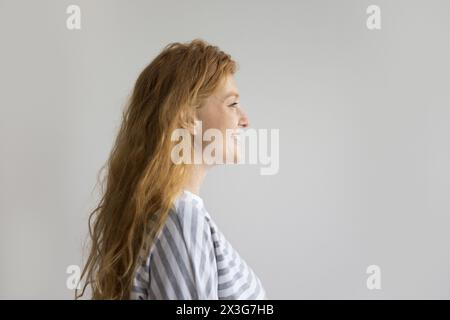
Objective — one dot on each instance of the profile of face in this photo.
(223, 112)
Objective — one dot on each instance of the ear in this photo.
(196, 128)
(192, 127)
(188, 119)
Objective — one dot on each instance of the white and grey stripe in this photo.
(192, 260)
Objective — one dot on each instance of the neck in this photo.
(196, 178)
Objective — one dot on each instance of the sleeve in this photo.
(183, 262)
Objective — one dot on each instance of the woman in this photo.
(152, 237)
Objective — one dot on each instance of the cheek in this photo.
(218, 118)
(231, 120)
(227, 118)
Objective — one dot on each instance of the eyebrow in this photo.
(231, 94)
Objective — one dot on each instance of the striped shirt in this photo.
(191, 260)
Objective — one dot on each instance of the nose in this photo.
(243, 119)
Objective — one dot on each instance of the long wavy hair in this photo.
(142, 182)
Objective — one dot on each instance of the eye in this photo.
(234, 105)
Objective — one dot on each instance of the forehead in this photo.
(227, 88)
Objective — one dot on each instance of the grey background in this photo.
(364, 119)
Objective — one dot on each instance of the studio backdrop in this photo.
(355, 200)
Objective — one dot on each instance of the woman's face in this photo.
(223, 111)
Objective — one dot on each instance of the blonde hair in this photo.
(142, 182)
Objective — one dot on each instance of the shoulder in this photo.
(188, 205)
(187, 224)
(182, 254)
